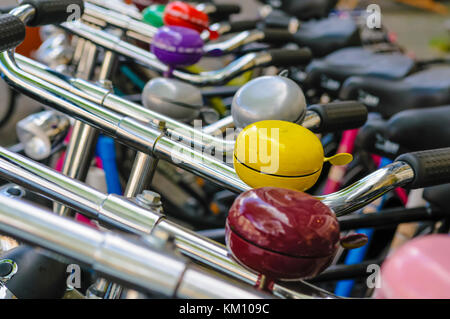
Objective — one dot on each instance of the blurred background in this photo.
(417, 23)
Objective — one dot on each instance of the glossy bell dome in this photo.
(268, 98)
(178, 13)
(154, 14)
(278, 154)
(177, 46)
(282, 233)
(161, 95)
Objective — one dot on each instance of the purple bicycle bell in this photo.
(177, 46)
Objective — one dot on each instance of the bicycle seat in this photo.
(430, 87)
(308, 9)
(407, 131)
(330, 72)
(327, 35)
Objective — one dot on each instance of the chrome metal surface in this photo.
(220, 126)
(206, 251)
(124, 259)
(300, 290)
(42, 133)
(101, 96)
(5, 293)
(118, 6)
(237, 41)
(312, 120)
(24, 12)
(369, 188)
(141, 174)
(115, 44)
(120, 20)
(98, 289)
(136, 134)
(200, 285)
(220, 27)
(83, 139)
(116, 256)
(14, 268)
(110, 210)
(118, 212)
(176, 129)
(268, 98)
(107, 67)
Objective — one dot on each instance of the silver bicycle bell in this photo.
(173, 98)
(268, 98)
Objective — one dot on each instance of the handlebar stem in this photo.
(369, 188)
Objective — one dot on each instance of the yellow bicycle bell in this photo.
(281, 154)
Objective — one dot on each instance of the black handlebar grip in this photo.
(226, 9)
(339, 116)
(38, 275)
(55, 11)
(279, 36)
(243, 25)
(430, 167)
(286, 57)
(12, 32)
(278, 19)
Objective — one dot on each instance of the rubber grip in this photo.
(38, 275)
(278, 19)
(54, 11)
(12, 32)
(280, 36)
(430, 167)
(243, 25)
(286, 57)
(227, 9)
(339, 116)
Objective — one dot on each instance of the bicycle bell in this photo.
(177, 46)
(281, 154)
(178, 13)
(173, 98)
(284, 234)
(268, 98)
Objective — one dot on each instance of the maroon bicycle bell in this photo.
(177, 46)
(282, 233)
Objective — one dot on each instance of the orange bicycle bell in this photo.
(281, 154)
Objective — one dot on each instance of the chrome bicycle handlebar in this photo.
(203, 140)
(145, 32)
(139, 135)
(127, 215)
(124, 259)
(148, 59)
(118, 6)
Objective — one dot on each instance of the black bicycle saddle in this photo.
(407, 131)
(330, 72)
(328, 35)
(430, 87)
(304, 9)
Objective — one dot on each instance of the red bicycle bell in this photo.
(282, 233)
(178, 13)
